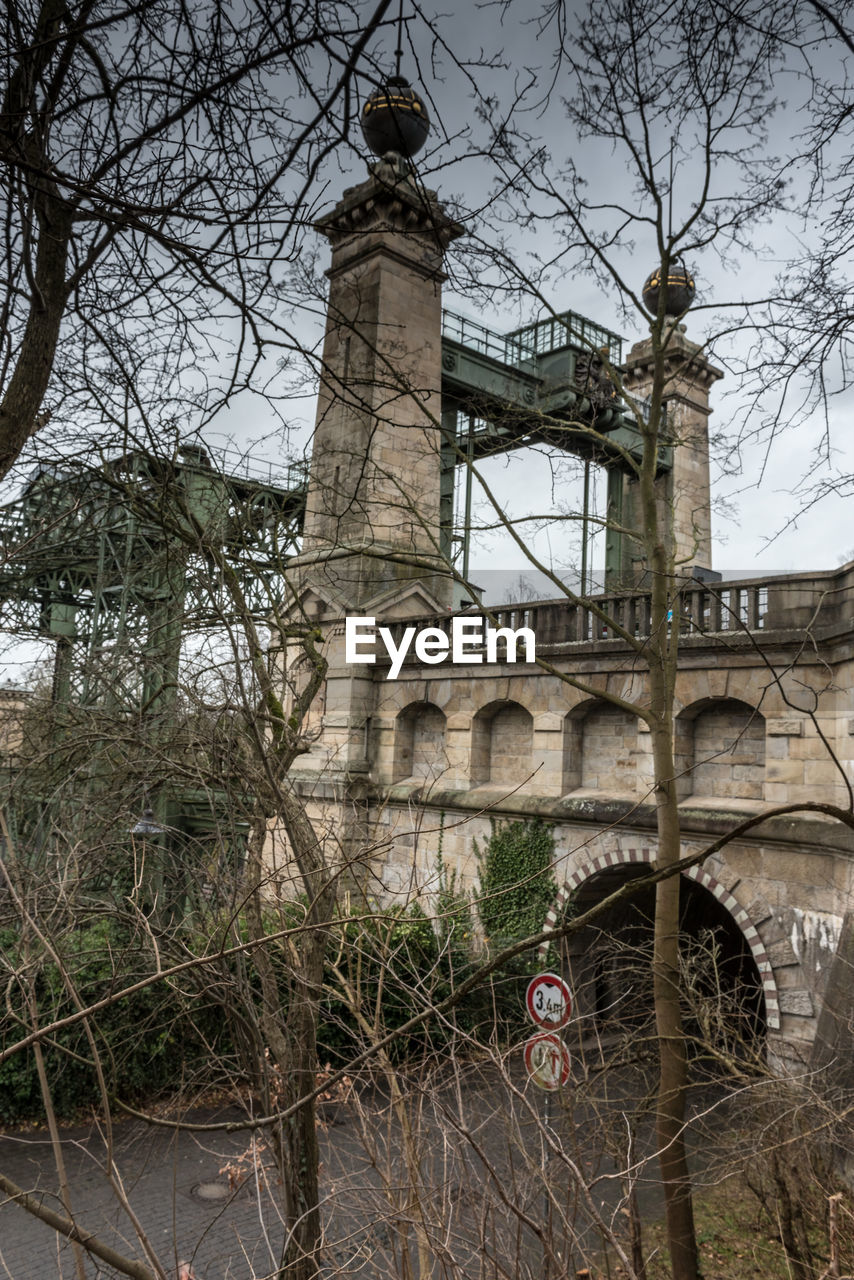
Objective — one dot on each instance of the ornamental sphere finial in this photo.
(394, 118)
(679, 286)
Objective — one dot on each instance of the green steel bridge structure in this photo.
(114, 561)
(545, 384)
(108, 559)
(117, 563)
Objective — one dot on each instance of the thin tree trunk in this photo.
(30, 173)
(673, 1061)
(662, 661)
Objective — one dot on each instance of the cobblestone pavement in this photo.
(171, 1180)
(163, 1174)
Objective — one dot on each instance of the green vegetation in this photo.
(151, 1041)
(380, 969)
(517, 884)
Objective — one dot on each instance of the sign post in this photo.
(548, 1001)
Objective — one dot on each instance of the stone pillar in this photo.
(685, 495)
(373, 510)
(372, 540)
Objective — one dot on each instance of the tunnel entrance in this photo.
(723, 1004)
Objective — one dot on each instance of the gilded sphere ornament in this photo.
(680, 291)
(394, 118)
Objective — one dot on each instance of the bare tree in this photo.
(682, 100)
(623, 58)
(159, 163)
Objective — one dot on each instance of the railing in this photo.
(289, 473)
(508, 348)
(520, 347)
(69, 476)
(570, 330)
(790, 602)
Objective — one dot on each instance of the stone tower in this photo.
(372, 515)
(685, 488)
(371, 531)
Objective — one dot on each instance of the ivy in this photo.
(517, 884)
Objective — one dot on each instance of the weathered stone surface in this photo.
(797, 1001)
(450, 748)
(785, 728)
(780, 953)
(759, 912)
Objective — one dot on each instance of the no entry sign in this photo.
(548, 1001)
(547, 1061)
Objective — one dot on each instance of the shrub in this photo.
(146, 1043)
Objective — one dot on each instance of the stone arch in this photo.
(502, 744)
(700, 876)
(722, 744)
(419, 742)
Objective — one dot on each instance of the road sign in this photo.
(547, 1061)
(548, 1001)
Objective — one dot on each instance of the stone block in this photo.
(801, 872)
(718, 680)
(820, 773)
(787, 771)
(548, 722)
(797, 1001)
(776, 792)
(761, 914)
(789, 1050)
(810, 749)
(785, 728)
(742, 791)
(780, 953)
(725, 874)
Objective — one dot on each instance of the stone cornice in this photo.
(683, 359)
(389, 201)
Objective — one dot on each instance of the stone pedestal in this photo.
(372, 517)
(685, 504)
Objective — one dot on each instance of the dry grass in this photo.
(737, 1238)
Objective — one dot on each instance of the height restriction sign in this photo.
(548, 1001)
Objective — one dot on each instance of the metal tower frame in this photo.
(110, 562)
(541, 384)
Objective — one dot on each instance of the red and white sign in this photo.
(548, 1001)
(547, 1061)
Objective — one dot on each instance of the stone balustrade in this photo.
(822, 603)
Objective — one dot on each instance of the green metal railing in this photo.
(507, 348)
(521, 347)
(555, 333)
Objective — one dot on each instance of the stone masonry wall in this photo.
(729, 752)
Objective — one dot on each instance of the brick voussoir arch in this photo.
(624, 857)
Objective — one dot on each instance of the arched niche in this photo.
(419, 742)
(723, 746)
(502, 744)
(602, 750)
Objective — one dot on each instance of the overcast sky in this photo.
(757, 523)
